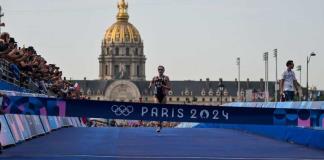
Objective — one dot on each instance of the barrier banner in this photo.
(25, 130)
(45, 123)
(79, 122)
(160, 112)
(52, 120)
(5, 134)
(31, 125)
(38, 125)
(15, 129)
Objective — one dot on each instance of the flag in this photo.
(77, 86)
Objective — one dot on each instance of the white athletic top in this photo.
(288, 77)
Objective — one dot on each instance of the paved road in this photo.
(144, 143)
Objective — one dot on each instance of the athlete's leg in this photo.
(160, 100)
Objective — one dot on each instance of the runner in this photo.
(161, 87)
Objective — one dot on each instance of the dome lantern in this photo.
(122, 11)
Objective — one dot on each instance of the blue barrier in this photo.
(45, 123)
(271, 115)
(304, 136)
(5, 135)
(18, 128)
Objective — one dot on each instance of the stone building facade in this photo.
(122, 51)
(122, 74)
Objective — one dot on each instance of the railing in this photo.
(7, 75)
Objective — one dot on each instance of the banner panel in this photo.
(5, 134)
(261, 113)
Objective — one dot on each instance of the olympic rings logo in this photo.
(122, 110)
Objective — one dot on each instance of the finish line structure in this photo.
(162, 112)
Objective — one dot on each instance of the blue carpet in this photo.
(144, 143)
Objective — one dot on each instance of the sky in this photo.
(193, 39)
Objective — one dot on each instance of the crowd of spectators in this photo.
(33, 72)
(139, 123)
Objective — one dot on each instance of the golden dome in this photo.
(122, 31)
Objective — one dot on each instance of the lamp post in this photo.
(243, 95)
(266, 91)
(238, 62)
(299, 68)
(275, 55)
(221, 89)
(308, 59)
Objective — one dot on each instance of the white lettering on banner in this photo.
(193, 113)
(164, 112)
(154, 112)
(144, 111)
(225, 114)
(172, 113)
(215, 114)
(180, 113)
(204, 114)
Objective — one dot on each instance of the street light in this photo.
(308, 59)
(243, 96)
(275, 55)
(299, 68)
(221, 89)
(238, 62)
(266, 90)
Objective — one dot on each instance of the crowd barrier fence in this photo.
(17, 128)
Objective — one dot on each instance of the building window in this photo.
(225, 99)
(127, 74)
(210, 99)
(116, 70)
(136, 51)
(138, 70)
(127, 51)
(187, 100)
(116, 51)
(203, 99)
(107, 51)
(146, 99)
(210, 93)
(203, 93)
(106, 70)
(170, 99)
(217, 99)
(178, 99)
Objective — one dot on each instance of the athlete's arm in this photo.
(152, 81)
(168, 85)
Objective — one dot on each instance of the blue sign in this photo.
(160, 112)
